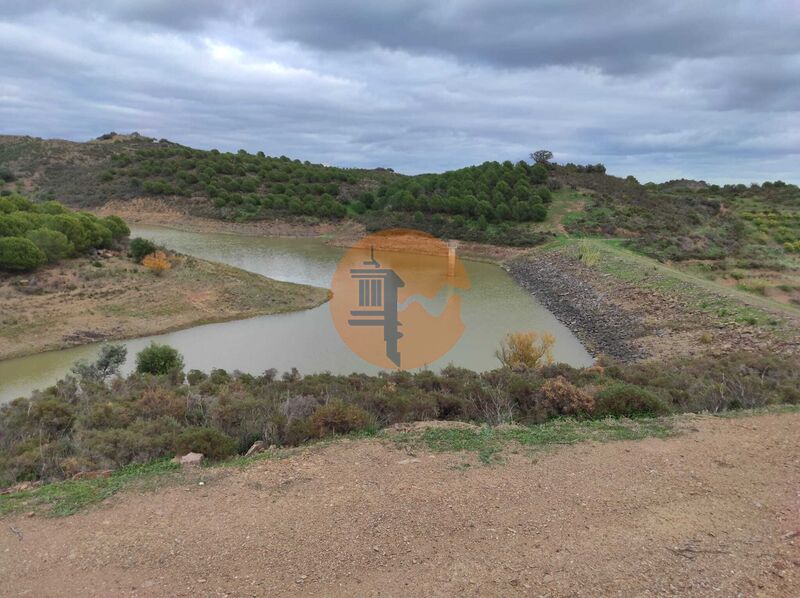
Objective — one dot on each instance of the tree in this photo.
(542, 157)
(538, 213)
(117, 227)
(108, 363)
(72, 228)
(19, 254)
(158, 360)
(538, 174)
(13, 225)
(54, 244)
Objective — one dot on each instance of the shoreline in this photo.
(121, 301)
(602, 326)
(346, 233)
(632, 310)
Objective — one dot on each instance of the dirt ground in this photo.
(74, 303)
(145, 210)
(713, 512)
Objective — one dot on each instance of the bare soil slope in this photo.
(76, 302)
(714, 512)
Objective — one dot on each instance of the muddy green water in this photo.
(307, 340)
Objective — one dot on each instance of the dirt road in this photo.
(714, 512)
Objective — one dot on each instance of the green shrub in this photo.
(18, 254)
(53, 207)
(14, 225)
(73, 228)
(195, 377)
(628, 400)
(208, 441)
(139, 248)
(117, 226)
(99, 235)
(51, 417)
(141, 441)
(338, 417)
(53, 244)
(158, 360)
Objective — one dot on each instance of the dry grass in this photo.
(81, 301)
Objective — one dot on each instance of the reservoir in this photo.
(493, 306)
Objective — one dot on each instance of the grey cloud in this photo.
(617, 36)
(705, 90)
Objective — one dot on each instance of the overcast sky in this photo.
(658, 89)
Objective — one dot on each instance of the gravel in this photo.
(604, 327)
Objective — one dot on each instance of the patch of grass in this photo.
(59, 499)
(770, 409)
(725, 304)
(65, 498)
(753, 285)
(488, 441)
(588, 254)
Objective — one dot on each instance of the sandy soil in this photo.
(145, 210)
(74, 302)
(714, 512)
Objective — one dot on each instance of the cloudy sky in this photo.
(658, 89)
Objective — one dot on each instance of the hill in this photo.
(747, 236)
(492, 202)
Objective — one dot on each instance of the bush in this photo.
(563, 398)
(6, 176)
(526, 350)
(117, 226)
(18, 254)
(195, 377)
(73, 229)
(141, 441)
(161, 402)
(139, 248)
(14, 225)
(628, 400)
(158, 360)
(208, 441)
(53, 244)
(338, 417)
(588, 254)
(157, 263)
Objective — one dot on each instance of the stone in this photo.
(191, 459)
(259, 446)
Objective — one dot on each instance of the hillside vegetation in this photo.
(86, 421)
(741, 236)
(34, 234)
(737, 235)
(492, 202)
